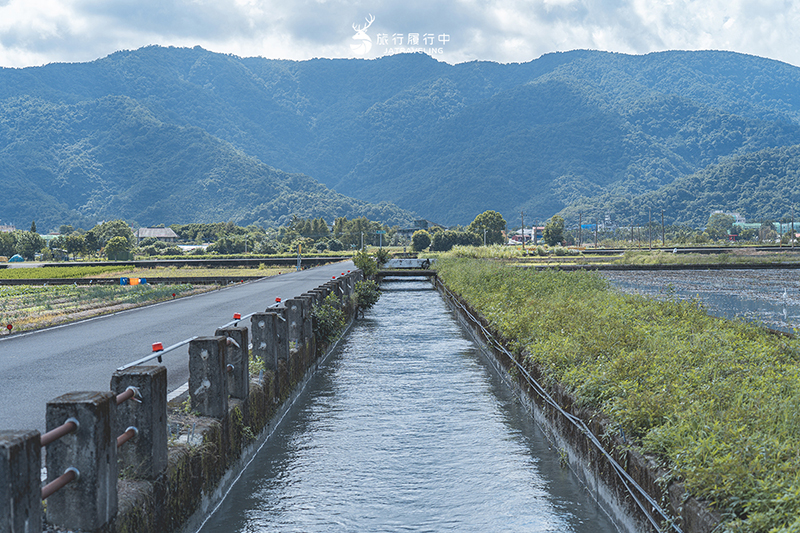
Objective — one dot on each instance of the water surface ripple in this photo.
(405, 428)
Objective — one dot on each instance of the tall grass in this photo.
(716, 399)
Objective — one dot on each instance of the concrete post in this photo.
(296, 328)
(281, 342)
(144, 456)
(263, 327)
(20, 488)
(309, 341)
(208, 382)
(239, 376)
(88, 503)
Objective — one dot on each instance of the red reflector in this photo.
(9, 327)
(278, 300)
(237, 316)
(333, 277)
(158, 347)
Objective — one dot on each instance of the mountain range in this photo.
(178, 135)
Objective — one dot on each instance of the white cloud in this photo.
(41, 31)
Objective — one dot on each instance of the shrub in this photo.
(366, 263)
(382, 256)
(420, 240)
(366, 294)
(329, 319)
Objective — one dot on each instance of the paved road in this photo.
(39, 366)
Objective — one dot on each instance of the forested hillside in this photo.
(167, 135)
(112, 158)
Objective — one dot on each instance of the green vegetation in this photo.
(489, 227)
(366, 294)
(329, 319)
(420, 240)
(28, 307)
(366, 263)
(58, 272)
(554, 231)
(715, 400)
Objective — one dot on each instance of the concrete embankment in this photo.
(630, 486)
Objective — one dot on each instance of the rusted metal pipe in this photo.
(71, 474)
(130, 392)
(130, 433)
(64, 429)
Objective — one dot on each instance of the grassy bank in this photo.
(715, 400)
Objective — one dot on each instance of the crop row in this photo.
(715, 400)
(57, 272)
(27, 307)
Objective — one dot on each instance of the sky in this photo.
(37, 32)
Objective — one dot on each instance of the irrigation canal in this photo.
(406, 428)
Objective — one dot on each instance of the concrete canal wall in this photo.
(629, 485)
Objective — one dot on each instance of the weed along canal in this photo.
(407, 428)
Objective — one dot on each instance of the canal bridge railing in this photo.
(100, 441)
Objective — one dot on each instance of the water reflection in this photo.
(407, 429)
(770, 297)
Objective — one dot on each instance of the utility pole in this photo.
(522, 216)
(596, 223)
(650, 229)
(663, 242)
(580, 227)
(484, 236)
(362, 241)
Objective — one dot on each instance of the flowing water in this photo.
(769, 297)
(407, 428)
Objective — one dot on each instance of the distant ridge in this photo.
(176, 134)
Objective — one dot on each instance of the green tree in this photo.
(420, 240)
(118, 248)
(74, 244)
(91, 242)
(492, 223)
(719, 225)
(28, 244)
(114, 228)
(33, 227)
(8, 244)
(443, 241)
(554, 231)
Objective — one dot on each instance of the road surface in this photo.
(38, 366)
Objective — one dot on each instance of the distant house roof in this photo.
(157, 233)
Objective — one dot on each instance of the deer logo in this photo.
(364, 42)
